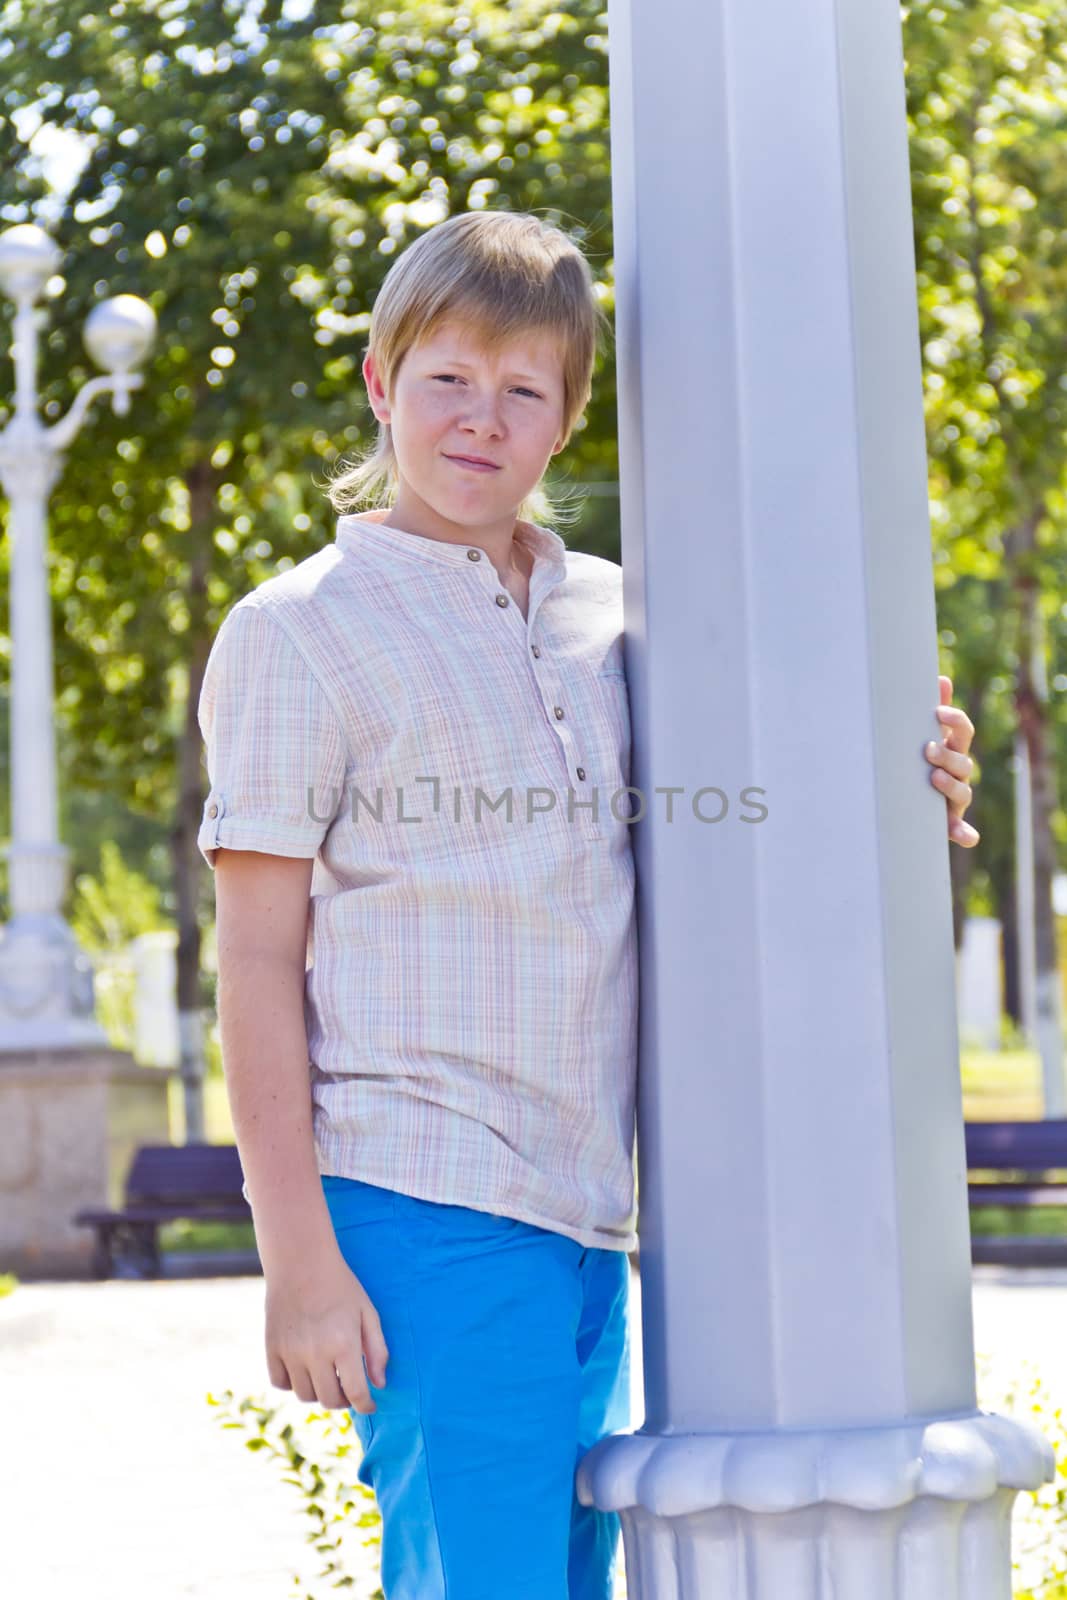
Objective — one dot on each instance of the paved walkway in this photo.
(117, 1481)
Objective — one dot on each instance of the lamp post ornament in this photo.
(46, 980)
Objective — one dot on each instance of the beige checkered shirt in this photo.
(471, 989)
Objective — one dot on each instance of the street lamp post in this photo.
(46, 984)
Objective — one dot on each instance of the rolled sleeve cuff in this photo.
(220, 826)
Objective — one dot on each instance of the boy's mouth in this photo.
(474, 463)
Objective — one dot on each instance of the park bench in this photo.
(1030, 1160)
(165, 1183)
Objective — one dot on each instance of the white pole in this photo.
(811, 1426)
(1024, 890)
(46, 981)
(980, 982)
(29, 472)
(1047, 992)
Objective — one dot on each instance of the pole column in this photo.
(811, 1424)
(46, 982)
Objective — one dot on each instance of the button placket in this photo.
(558, 712)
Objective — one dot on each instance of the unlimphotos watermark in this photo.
(534, 802)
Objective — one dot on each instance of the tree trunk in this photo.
(1006, 911)
(1031, 709)
(187, 862)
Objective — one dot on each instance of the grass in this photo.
(1045, 1221)
(194, 1237)
(1000, 1085)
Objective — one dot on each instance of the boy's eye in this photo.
(447, 375)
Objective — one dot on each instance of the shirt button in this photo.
(581, 773)
(474, 555)
(558, 710)
(501, 599)
(212, 811)
(536, 649)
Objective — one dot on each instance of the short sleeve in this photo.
(275, 749)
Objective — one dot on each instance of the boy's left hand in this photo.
(952, 765)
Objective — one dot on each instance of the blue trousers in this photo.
(508, 1358)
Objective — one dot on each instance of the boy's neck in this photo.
(509, 554)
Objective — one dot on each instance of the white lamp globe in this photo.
(28, 258)
(120, 332)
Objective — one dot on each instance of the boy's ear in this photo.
(375, 393)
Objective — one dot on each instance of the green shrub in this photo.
(318, 1457)
(1039, 1523)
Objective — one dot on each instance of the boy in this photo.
(426, 937)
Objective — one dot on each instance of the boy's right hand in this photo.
(320, 1318)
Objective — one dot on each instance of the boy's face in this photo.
(452, 399)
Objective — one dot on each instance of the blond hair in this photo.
(498, 274)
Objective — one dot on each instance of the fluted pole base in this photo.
(917, 1512)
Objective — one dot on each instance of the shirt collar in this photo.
(363, 529)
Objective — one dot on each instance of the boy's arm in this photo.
(272, 737)
(324, 1338)
(261, 920)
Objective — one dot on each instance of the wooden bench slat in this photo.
(1017, 1194)
(178, 1173)
(1019, 1250)
(1022, 1146)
